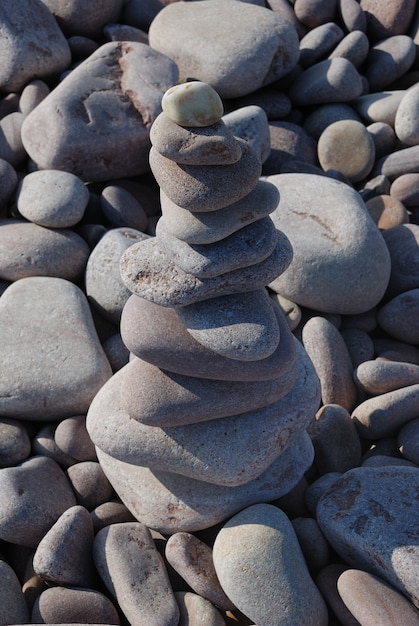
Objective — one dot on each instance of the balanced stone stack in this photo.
(210, 414)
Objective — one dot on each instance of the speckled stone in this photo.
(51, 198)
(90, 485)
(192, 559)
(257, 555)
(198, 146)
(348, 147)
(29, 509)
(133, 571)
(194, 450)
(173, 503)
(398, 317)
(359, 343)
(223, 57)
(210, 226)
(48, 371)
(369, 516)
(383, 415)
(332, 236)
(64, 554)
(162, 340)
(193, 608)
(169, 285)
(380, 376)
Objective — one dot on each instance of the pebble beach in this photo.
(209, 312)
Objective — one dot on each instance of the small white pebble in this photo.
(193, 104)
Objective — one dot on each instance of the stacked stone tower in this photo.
(210, 414)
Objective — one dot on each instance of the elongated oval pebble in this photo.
(193, 104)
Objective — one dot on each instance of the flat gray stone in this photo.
(332, 235)
(149, 272)
(96, 122)
(262, 47)
(332, 80)
(250, 245)
(52, 362)
(210, 226)
(32, 44)
(369, 516)
(133, 571)
(162, 340)
(257, 555)
(172, 503)
(103, 283)
(251, 441)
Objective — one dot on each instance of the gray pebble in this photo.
(70, 605)
(78, 18)
(15, 445)
(408, 441)
(34, 92)
(194, 609)
(72, 438)
(14, 609)
(332, 80)
(122, 209)
(90, 485)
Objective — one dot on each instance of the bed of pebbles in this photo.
(209, 252)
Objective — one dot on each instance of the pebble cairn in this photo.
(210, 414)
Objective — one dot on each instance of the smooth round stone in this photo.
(313, 13)
(194, 104)
(332, 80)
(81, 47)
(398, 317)
(44, 444)
(387, 211)
(369, 517)
(104, 287)
(245, 247)
(123, 32)
(90, 485)
(318, 42)
(52, 199)
(336, 442)
(402, 161)
(381, 460)
(63, 555)
(289, 142)
(140, 13)
(15, 445)
(384, 138)
(162, 340)
(8, 182)
(34, 495)
(351, 15)
(370, 599)
(332, 362)
(383, 415)
(406, 189)
(326, 581)
(393, 350)
(112, 512)
(122, 209)
(313, 544)
(172, 503)
(324, 115)
(354, 47)
(388, 60)
(251, 124)
(402, 242)
(133, 571)
(207, 188)
(274, 103)
(406, 122)
(168, 285)
(379, 107)
(34, 46)
(347, 146)
(208, 145)
(239, 326)
(408, 439)
(73, 439)
(254, 439)
(178, 400)
(32, 95)
(291, 310)
(262, 47)
(257, 555)
(47, 371)
(192, 559)
(194, 609)
(359, 344)
(212, 226)
(96, 122)
(380, 376)
(385, 19)
(14, 608)
(11, 146)
(116, 351)
(76, 18)
(332, 236)
(48, 252)
(66, 605)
